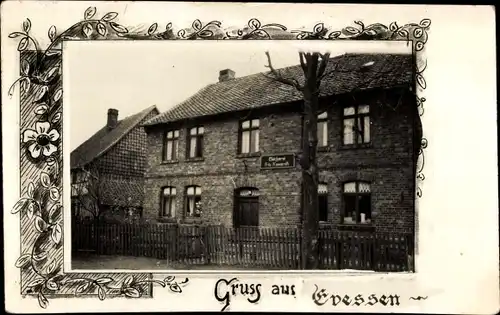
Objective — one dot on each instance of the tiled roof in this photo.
(123, 193)
(258, 90)
(105, 139)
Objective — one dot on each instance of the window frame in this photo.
(324, 195)
(174, 140)
(357, 118)
(249, 129)
(356, 195)
(187, 196)
(199, 141)
(172, 200)
(322, 120)
(318, 121)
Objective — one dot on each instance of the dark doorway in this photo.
(246, 207)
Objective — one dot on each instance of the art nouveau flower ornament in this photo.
(41, 139)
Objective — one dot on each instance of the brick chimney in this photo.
(226, 75)
(112, 118)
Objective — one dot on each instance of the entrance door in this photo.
(246, 212)
(246, 222)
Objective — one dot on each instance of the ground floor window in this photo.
(357, 203)
(323, 202)
(193, 201)
(246, 207)
(167, 209)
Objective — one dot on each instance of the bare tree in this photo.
(313, 66)
(95, 195)
(88, 189)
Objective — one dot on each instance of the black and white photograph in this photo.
(252, 157)
(290, 158)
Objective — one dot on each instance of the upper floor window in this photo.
(193, 201)
(167, 206)
(357, 203)
(323, 202)
(171, 145)
(323, 130)
(249, 136)
(356, 124)
(195, 142)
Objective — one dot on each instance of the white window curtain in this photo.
(255, 140)
(322, 129)
(350, 187)
(245, 142)
(192, 147)
(349, 131)
(169, 150)
(364, 187)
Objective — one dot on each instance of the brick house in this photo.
(107, 170)
(212, 152)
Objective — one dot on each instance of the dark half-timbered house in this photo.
(107, 170)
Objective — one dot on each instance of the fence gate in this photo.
(247, 239)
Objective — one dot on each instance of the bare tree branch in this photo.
(278, 77)
(295, 84)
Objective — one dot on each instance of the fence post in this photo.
(206, 242)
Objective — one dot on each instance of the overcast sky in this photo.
(133, 75)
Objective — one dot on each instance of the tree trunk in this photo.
(310, 215)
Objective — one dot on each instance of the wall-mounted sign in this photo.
(277, 161)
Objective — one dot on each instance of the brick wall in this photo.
(278, 202)
(387, 164)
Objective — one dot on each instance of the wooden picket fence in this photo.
(365, 251)
(268, 247)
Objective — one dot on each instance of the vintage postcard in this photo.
(163, 156)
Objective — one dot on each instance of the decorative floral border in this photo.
(40, 82)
